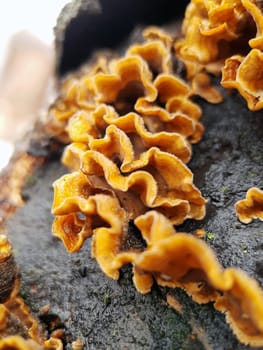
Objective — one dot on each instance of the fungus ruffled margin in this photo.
(226, 36)
(251, 207)
(124, 165)
(219, 35)
(181, 260)
(16, 342)
(129, 120)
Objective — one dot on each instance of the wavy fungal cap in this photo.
(181, 260)
(131, 123)
(251, 207)
(245, 75)
(227, 36)
(209, 29)
(141, 82)
(129, 147)
(16, 342)
(5, 247)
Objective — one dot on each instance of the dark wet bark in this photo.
(112, 315)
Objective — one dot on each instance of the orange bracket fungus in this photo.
(18, 328)
(129, 144)
(211, 32)
(224, 35)
(181, 260)
(245, 75)
(16, 342)
(251, 207)
(130, 84)
(9, 281)
(212, 29)
(244, 72)
(82, 211)
(131, 122)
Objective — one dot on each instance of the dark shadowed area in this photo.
(86, 25)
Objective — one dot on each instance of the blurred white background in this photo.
(35, 19)
(36, 16)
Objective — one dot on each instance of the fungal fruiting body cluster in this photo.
(251, 207)
(244, 73)
(131, 137)
(226, 35)
(131, 122)
(18, 328)
(213, 31)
